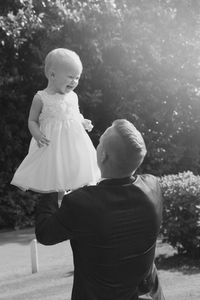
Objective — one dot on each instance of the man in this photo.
(112, 226)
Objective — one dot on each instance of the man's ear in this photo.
(52, 75)
(104, 157)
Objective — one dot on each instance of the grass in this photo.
(179, 275)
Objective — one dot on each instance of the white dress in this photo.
(69, 161)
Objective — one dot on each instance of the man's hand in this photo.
(87, 124)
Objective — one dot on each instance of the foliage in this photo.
(17, 209)
(181, 213)
(141, 62)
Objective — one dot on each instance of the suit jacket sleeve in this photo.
(53, 224)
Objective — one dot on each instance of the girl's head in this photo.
(63, 69)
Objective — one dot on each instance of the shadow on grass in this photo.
(23, 236)
(42, 285)
(178, 263)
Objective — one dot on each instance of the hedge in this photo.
(181, 212)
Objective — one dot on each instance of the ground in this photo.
(180, 276)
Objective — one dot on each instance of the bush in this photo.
(181, 212)
(17, 209)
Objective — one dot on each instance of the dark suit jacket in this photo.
(112, 228)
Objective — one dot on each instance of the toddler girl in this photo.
(61, 155)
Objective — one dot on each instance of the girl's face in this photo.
(66, 78)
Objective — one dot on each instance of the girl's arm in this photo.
(76, 107)
(87, 124)
(33, 122)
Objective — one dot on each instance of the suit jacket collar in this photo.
(118, 181)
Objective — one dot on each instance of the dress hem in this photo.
(25, 189)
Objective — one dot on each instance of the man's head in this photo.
(121, 150)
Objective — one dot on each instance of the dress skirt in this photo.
(67, 163)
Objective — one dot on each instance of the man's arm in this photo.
(150, 288)
(51, 226)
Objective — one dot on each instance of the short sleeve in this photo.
(76, 106)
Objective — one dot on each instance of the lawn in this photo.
(180, 276)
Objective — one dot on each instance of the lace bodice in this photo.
(59, 108)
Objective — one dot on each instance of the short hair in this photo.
(135, 148)
(61, 55)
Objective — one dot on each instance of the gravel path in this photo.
(55, 276)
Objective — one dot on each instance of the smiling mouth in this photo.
(69, 87)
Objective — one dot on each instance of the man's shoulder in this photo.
(84, 192)
(88, 193)
(148, 181)
(149, 178)
(87, 198)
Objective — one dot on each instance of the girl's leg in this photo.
(60, 197)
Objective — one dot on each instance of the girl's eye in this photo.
(73, 78)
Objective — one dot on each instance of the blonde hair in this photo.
(61, 55)
(135, 148)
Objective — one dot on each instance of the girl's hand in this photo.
(33, 122)
(41, 140)
(87, 124)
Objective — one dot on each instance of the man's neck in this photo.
(115, 176)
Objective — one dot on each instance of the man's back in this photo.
(113, 229)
